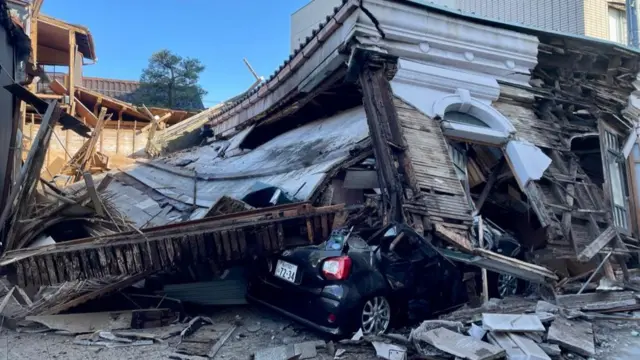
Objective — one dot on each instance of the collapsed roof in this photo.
(460, 112)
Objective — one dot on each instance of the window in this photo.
(616, 168)
(617, 25)
(459, 158)
(464, 118)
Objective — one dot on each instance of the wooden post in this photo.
(33, 34)
(33, 120)
(95, 198)
(102, 141)
(133, 144)
(29, 174)
(96, 107)
(72, 62)
(66, 145)
(489, 184)
(195, 189)
(483, 271)
(383, 127)
(118, 131)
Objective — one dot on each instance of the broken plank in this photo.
(596, 245)
(91, 189)
(512, 322)
(517, 346)
(95, 294)
(454, 238)
(591, 299)
(571, 335)
(465, 347)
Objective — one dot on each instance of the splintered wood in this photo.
(18, 205)
(223, 240)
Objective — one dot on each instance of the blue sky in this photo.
(218, 32)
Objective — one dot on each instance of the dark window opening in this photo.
(464, 118)
(588, 151)
(341, 97)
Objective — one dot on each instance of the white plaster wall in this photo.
(308, 18)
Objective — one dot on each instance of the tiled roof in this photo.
(111, 87)
(115, 88)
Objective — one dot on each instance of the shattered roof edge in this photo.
(521, 28)
(232, 104)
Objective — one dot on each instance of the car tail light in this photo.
(337, 268)
(331, 318)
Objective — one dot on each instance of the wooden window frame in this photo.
(610, 152)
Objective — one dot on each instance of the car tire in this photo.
(374, 315)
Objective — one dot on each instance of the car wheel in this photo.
(375, 316)
(507, 285)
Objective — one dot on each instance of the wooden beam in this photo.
(89, 117)
(596, 245)
(58, 88)
(485, 281)
(379, 108)
(16, 206)
(72, 75)
(35, 12)
(148, 112)
(153, 122)
(87, 157)
(60, 307)
(118, 133)
(534, 195)
(490, 183)
(133, 142)
(91, 189)
(96, 107)
(571, 193)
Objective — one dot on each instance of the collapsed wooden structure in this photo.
(537, 132)
(217, 242)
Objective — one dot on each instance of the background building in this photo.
(603, 19)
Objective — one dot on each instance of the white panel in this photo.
(473, 133)
(527, 161)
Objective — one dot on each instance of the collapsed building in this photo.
(403, 112)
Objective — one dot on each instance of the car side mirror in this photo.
(392, 232)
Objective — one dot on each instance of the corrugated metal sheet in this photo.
(296, 162)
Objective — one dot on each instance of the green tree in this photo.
(171, 81)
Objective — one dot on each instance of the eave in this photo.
(316, 58)
(53, 35)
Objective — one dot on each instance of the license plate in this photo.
(286, 271)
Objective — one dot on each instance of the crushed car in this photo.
(359, 281)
